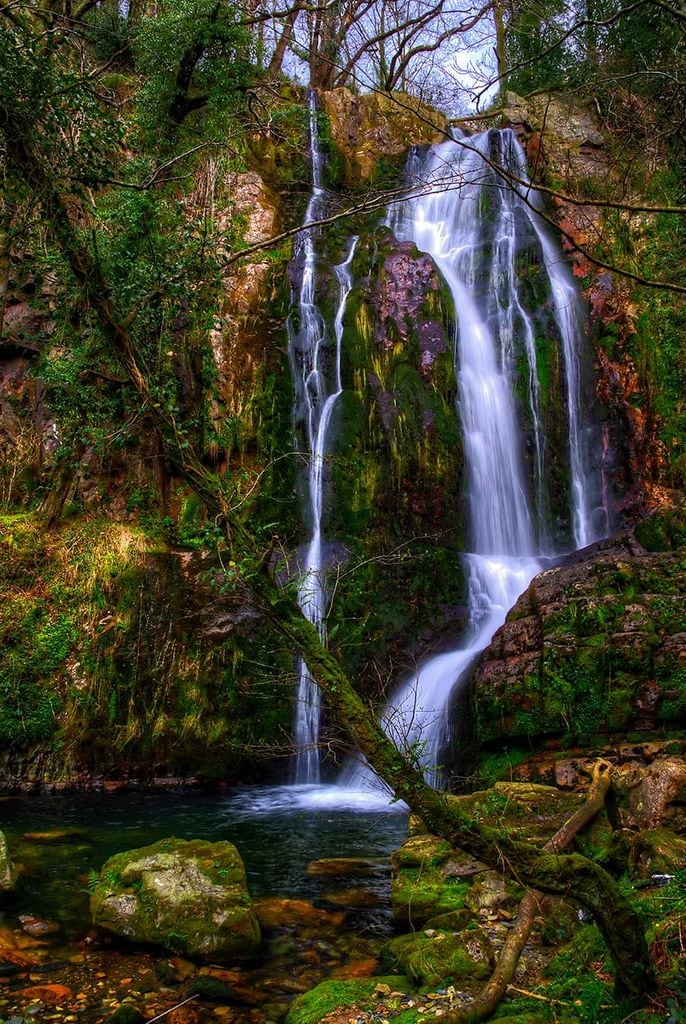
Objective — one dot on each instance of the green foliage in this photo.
(35, 646)
(534, 26)
(110, 34)
(193, 54)
(47, 97)
(659, 345)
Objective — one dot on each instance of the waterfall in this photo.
(471, 222)
(317, 388)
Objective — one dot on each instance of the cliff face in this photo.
(575, 154)
(149, 648)
(595, 647)
(593, 654)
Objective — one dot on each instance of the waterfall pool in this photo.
(277, 830)
(320, 924)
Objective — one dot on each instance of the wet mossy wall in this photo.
(394, 506)
(123, 659)
(593, 650)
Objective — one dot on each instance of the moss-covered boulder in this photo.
(426, 880)
(595, 646)
(8, 872)
(432, 957)
(313, 1006)
(188, 897)
(656, 851)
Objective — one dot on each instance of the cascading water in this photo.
(317, 388)
(471, 222)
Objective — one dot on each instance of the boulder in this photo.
(434, 957)
(8, 872)
(595, 646)
(426, 880)
(657, 851)
(365, 128)
(563, 117)
(188, 897)
(561, 134)
(313, 1006)
(345, 866)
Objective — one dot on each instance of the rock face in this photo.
(237, 346)
(594, 646)
(8, 872)
(188, 897)
(570, 150)
(365, 128)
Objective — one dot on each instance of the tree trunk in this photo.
(496, 987)
(276, 63)
(500, 48)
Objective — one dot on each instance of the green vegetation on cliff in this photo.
(121, 659)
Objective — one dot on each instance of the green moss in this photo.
(126, 1014)
(444, 957)
(496, 766)
(505, 1015)
(82, 648)
(419, 888)
(210, 989)
(312, 1006)
(188, 897)
(662, 531)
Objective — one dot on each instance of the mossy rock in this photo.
(422, 851)
(8, 872)
(594, 647)
(657, 851)
(528, 1018)
(425, 880)
(431, 960)
(312, 1006)
(490, 890)
(126, 1014)
(187, 897)
(663, 531)
(365, 128)
(453, 921)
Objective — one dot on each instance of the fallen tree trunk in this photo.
(506, 967)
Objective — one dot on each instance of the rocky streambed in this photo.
(385, 926)
(316, 920)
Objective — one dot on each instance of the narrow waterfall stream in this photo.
(317, 379)
(471, 223)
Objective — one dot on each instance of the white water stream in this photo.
(317, 388)
(473, 225)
